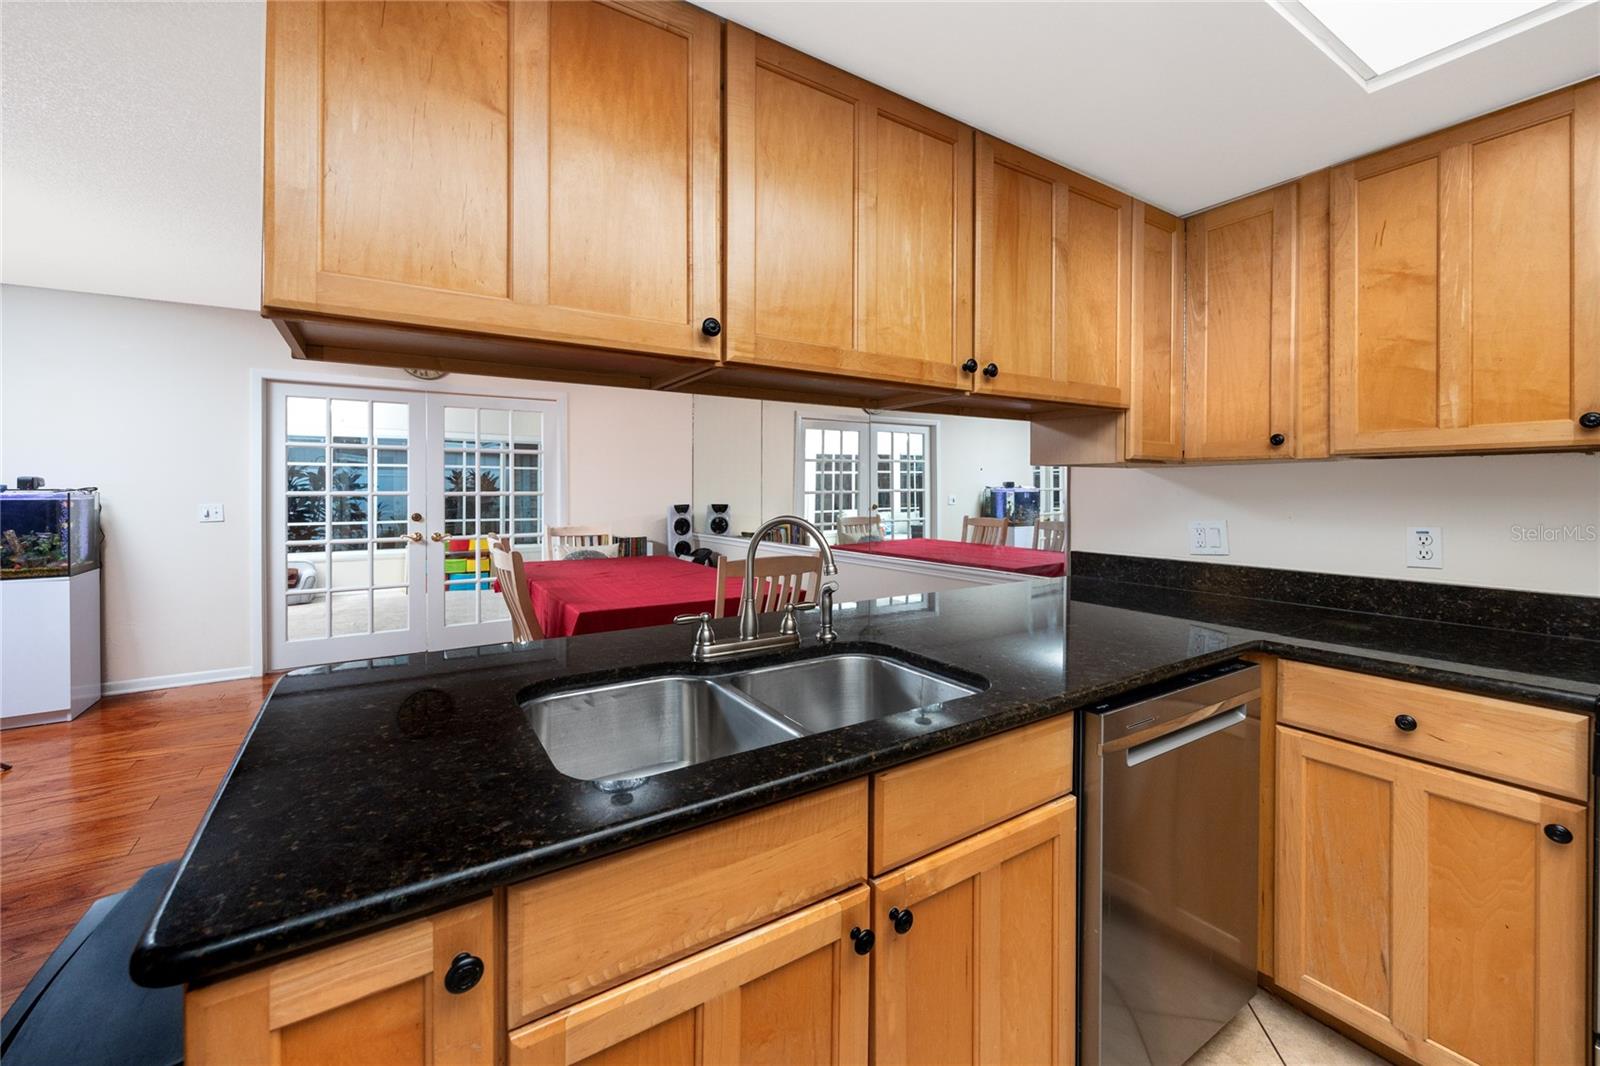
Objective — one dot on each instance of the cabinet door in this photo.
(1053, 280)
(1464, 271)
(849, 216)
(1428, 908)
(985, 973)
(1240, 392)
(381, 998)
(548, 170)
(1155, 401)
(793, 991)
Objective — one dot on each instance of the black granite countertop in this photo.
(376, 791)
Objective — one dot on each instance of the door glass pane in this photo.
(351, 615)
(391, 610)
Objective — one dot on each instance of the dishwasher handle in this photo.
(1189, 734)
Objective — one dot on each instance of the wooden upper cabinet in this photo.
(384, 998)
(1465, 271)
(1155, 401)
(985, 971)
(1256, 374)
(543, 170)
(1431, 909)
(1053, 269)
(849, 220)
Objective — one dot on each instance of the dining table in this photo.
(1032, 561)
(572, 597)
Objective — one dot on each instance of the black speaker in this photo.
(717, 519)
(680, 529)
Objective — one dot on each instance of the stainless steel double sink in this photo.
(619, 734)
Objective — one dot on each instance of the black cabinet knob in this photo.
(901, 919)
(1405, 722)
(863, 939)
(970, 366)
(991, 371)
(1276, 440)
(1589, 420)
(465, 971)
(1559, 833)
(711, 327)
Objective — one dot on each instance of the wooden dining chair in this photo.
(505, 564)
(853, 528)
(990, 531)
(558, 540)
(780, 580)
(1050, 535)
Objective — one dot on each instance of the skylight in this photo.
(1380, 42)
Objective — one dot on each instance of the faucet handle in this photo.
(691, 619)
(705, 636)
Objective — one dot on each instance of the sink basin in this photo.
(619, 733)
(840, 690)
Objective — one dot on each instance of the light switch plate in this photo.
(1425, 548)
(210, 512)
(1208, 538)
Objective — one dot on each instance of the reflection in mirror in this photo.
(918, 502)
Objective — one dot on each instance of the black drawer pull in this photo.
(901, 919)
(1559, 833)
(863, 939)
(465, 971)
(1405, 722)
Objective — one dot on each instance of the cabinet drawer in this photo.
(1533, 746)
(581, 930)
(922, 806)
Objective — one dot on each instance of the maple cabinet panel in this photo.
(793, 991)
(539, 170)
(986, 970)
(1464, 271)
(849, 223)
(1431, 909)
(1155, 400)
(1053, 266)
(382, 998)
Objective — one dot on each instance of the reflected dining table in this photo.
(1031, 561)
(573, 597)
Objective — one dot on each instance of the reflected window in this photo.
(882, 469)
(1051, 481)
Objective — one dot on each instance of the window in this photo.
(860, 468)
(1051, 481)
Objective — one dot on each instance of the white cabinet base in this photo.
(50, 651)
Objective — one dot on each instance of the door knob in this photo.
(414, 537)
(901, 918)
(465, 971)
(436, 537)
(416, 516)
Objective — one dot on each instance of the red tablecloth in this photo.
(576, 596)
(958, 553)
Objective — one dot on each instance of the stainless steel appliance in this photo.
(1169, 852)
(1594, 889)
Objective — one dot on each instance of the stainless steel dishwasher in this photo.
(1170, 828)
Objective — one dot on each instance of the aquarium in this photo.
(49, 532)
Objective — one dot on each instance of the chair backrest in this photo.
(506, 565)
(983, 530)
(780, 580)
(853, 527)
(558, 540)
(1050, 535)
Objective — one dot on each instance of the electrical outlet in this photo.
(1208, 538)
(1425, 548)
(210, 512)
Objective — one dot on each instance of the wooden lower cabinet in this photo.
(1437, 912)
(793, 991)
(382, 998)
(985, 971)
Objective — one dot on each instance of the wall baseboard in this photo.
(198, 677)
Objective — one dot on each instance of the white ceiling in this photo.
(131, 153)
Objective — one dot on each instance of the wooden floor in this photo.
(90, 805)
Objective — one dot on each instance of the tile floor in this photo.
(1269, 1032)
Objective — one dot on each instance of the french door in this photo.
(382, 503)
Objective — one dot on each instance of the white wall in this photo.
(1350, 516)
(150, 402)
(744, 455)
